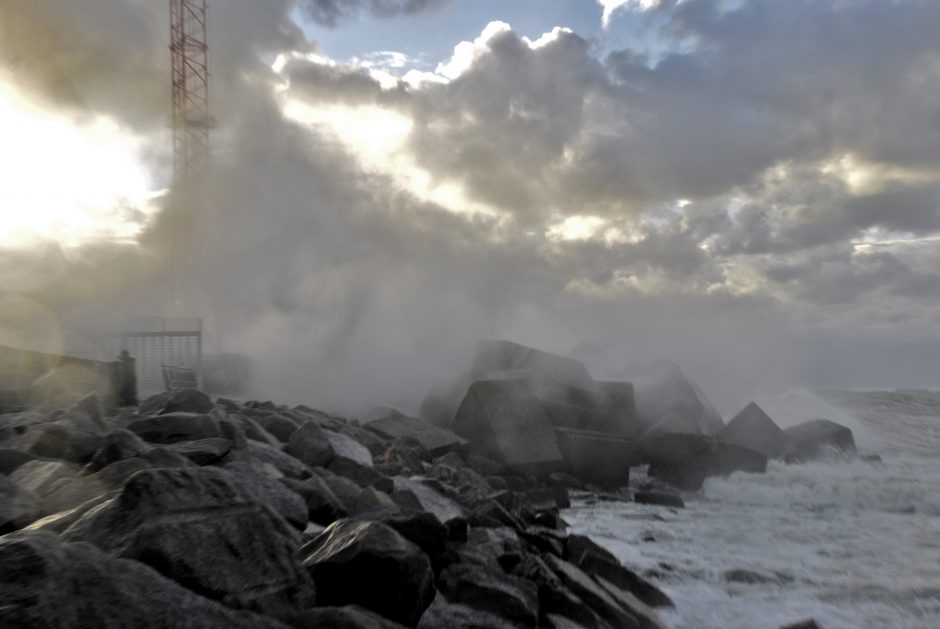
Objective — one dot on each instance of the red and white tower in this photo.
(191, 121)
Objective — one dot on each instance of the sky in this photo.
(747, 187)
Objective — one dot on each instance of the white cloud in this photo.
(613, 6)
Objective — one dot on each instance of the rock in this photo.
(323, 507)
(57, 484)
(59, 522)
(203, 528)
(90, 406)
(659, 498)
(253, 430)
(644, 614)
(267, 490)
(617, 413)
(281, 426)
(117, 445)
(811, 439)
(442, 614)
(685, 460)
(591, 593)
(484, 466)
(203, 451)
(418, 527)
(348, 617)
(563, 479)
(259, 454)
(597, 458)
(598, 562)
(404, 456)
(377, 445)
(804, 624)
(554, 597)
(534, 365)
(42, 576)
(161, 457)
(11, 459)
(437, 441)
(553, 495)
(741, 575)
(48, 440)
(345, 447)
(181, 401)
(174, 427)
(411, 494)
(18, 506)
(669, 401)
(309, 445)
(371, 499)
(752, 428)
(370, 564)
(511, 598)
(504, 421)
(554, 621)
(344, 489)
(362, 475)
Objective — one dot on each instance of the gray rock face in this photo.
(685, 461)
(266, 490)
(174, 427)
(281, 426)
(348, 617)
(668, 401)
(370, 564)
(453, 616)
(323, 507)
(413, 494)
(504, 421)
(42, 576)
(345, 447)
(18, 506)
(598, 458)
(11, 459)
(437, 441)
(659, 498)
(117, 445)
(203, 528)
(261, 454)
(511, 598)
(753, 428)
(57, 484)
(598, 562)
(183, 401)
(618, 411)
(591, 593)
(309, 445)
(519, 361)
(202, 451)
(813, 438)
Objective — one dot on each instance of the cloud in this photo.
(332, 13)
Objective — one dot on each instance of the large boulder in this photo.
(176, 426)
(669, 401)
(11, 459)
(814, 438)
(118, 445)
(437, 441)
(323, 506)
(180, 401)
(348, 617)
(18, 506)
(504, 595)
(413, 494)
(685, 461)
(601, 459)
(203, 528)
(443, 614)
(370, 564)
(47, 583)
(591, 592)
(309, 444)
(504, 421)
(617, 414)
(753, 428)
(601, 564)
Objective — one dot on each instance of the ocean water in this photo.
(848, 542)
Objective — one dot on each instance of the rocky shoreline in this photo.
(193, 512)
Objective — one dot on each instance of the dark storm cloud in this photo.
(331, 13)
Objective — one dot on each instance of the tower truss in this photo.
(191, 121)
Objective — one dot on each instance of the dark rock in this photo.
(504, 421)
(323, 507)
(203, 451)
(18, 506)
(644, 614)
(261, 454)
(48, 440)
(659, 498)
(804, 624)
(412, 494)
(563, 479)
(814, 438)
(484, 466)
(280, 426)
(511, 598)
(377, 445)
(437, 441)
(556, 621)
(497, 482)
(175, 427)
(252, 429)
(617, 414)
(371, 499)
(418, 527)
(161, 457)
(267, 490)
(554, 597)
(344, 489)
(309, 445)
(203, 528)
(741, 575)
(554, 495)
(362, 475)
(115, 475)
(11, 459)
(597, 458)
(59, 522)
(444, 615)
(58, 485)
(90, 406)
(752, 428)
(685, 460)
(545, 540)
(182, 401)
(117, 445)
(404, 456)
(348, 617)
(598, 562)
(370, 564)
(668, 401)
(345, 447)
(591, 593)
(41, 577)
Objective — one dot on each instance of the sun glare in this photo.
(66, 182)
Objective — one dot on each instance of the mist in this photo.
(603, 203)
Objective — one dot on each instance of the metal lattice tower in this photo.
(191, 121)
